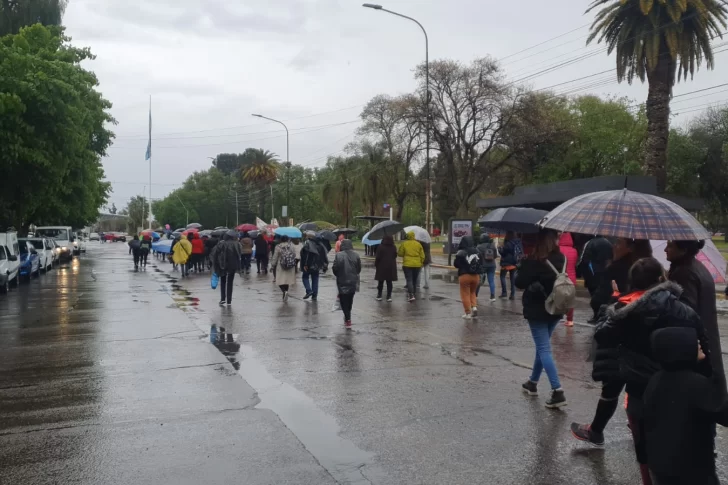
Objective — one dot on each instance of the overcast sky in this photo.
(209, 64)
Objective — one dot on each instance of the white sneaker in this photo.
(492, 300)
(474, 310)
(468, 316)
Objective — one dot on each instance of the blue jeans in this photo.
(490, 274)
(541, 332)
(312, 287)
(512, 274)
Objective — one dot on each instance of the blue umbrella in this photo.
(369, 242)
(292, 232)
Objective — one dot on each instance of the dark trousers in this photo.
(262, 261)
(410, 276)
(143, 257)
(226, 287)
(380, 287)
(245, 259)
(136, 255)
(347, 301)
(608, 404)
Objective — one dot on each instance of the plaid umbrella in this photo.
(627, 214)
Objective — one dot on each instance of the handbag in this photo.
(214, 280)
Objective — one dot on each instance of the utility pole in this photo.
(288, 161)
(237, 212)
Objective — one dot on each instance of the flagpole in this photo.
(150, 162)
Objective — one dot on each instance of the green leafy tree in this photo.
(53, 131)
(261, 170)
(338, 185)
(661, 41)
(229, 163)
(137, 210)
(15, 14)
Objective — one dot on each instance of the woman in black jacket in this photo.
(261, 253)
(698, 292)
(385, 263)
(537, 278)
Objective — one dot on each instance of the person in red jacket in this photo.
(566, 245)
(198, 252)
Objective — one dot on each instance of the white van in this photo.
(64, 238)
(9, 260)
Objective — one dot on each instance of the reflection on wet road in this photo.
(112, 376)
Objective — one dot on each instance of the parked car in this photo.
(46, 251)
(79, 243)
(29, 260)
(94, 237)
(9, 260)
(63, 236)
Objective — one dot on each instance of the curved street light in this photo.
(288, 161)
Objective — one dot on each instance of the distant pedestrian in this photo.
(536, 277)
(699, 293)
(413, 257)
(346, 268)
(261, 253)
(488, 254)
(511, 254)
(210, 244)
(182, 254)
(341, 237)
(681, 409)
(297, 246)
(385, 263)
(284, 264)
(145, 246)
(423, 279)
(566, 246)
(226, 262)
(135, 250)
(171, 253)
(246, 251)
(198, 252)
(468, 263)
(314, 260)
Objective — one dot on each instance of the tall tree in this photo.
(16, 14)
(661, 41)
(261, 169)
(138, 211)
(338, 185)
(229, 163)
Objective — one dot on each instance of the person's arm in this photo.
(708, 401)
(274, 259)
(357, 264)
(335, 266)
(525, 275)
(422, 255)
(400, 250)
(377, 258)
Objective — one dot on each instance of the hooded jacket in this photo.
(261, 247)
(486, 243)
(509, 252)
(467, 251)
(385, 260)
(314, 256)
(628, 327)
(699, 294)
(226, 256)
(566, 246)
(182, 251)
(537, 280)
(198, 246)
(411, 252)
(246, 245)
(346, 268)
(681, 409)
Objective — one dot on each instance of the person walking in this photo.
(511, 254)
(198, 251)
(627, 325)
(682, 408)
(261, 253)
(171, 253)
(385, 263)
(314, 260)
(297, 246)
(423, 279)
(145, 247)
(467, 261)
(346, 268)
(182, 253)
(340, 238)
(413, 257)
(210, 244)
(135, 250)
(536, 277)
(699, 293)
(226, 262)
(566, 246)
(246, 251)
(488, 253)
(284, 265)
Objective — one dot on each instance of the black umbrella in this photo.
(181, 229)
(345, 230)
(517, 219)
(220, 227)
(207, 233)
(308, 226)
(326, 244)
(194, 225)
(385, 228)
(327, 235)
(253, 234)
(219, 232)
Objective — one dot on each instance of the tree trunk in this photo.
(660, 80)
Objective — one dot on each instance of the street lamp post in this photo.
(288, 161)
(428, 196)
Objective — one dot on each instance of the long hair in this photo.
(546, 244)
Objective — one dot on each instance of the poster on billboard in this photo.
(459, 228)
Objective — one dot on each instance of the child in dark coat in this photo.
(681, 409)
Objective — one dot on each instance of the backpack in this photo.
(287, 257)
(473, 263)
(489, 253)
(562, 297)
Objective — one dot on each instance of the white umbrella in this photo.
(421, 233)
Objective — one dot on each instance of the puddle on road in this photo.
(316, 430)
(447, 277)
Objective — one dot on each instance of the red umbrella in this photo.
(246, 228)
(193, 230)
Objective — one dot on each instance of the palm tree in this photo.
(260, 168)
(657, 40)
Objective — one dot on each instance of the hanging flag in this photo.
(149, 144)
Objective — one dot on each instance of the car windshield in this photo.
(2, 253)
(58, 234)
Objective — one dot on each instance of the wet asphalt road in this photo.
(109, 376)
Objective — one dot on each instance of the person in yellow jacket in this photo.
(182, 252)
(413, 258)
